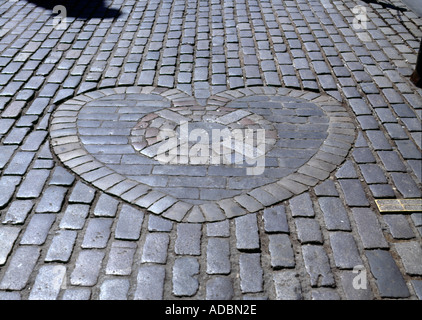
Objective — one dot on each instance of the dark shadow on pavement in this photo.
(80, 8)
(385, 5)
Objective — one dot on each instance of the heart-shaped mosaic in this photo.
(160, 150)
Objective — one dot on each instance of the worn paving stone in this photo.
(301, 206)
(247, 236)
(369, 228)
(7, 188)
(411, 255)
(326, 188)
(185, 282)
(120, 258)
(218, 229)
(188, 239)
(97, 233)
(335, 214)
(33, 184)
(19, 163)
(281, 251)
(389, 280)
(20, 268)
(354, 289)
(150, 283)
(218, 256)
(82, 193)
(251, 273)
(74, 216)
(417, 285)
(48, 283)
(399, 226)
(129, 223)
(353, 192)
(51, 200)
(38, 228)
(10, 296)
(318, 266)
(114, 289)
(308, 230)
(18, 211)
(219, 288)
(155, 248)
(87, 268)
(391, 161)
(324, 294)
(156, 223)
(345, 251)
(61, 247)
(405, 184)
(8, 236)
(106, 206)
(61, 177)
(287, 285)
(275, 219)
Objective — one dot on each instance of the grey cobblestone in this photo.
(87, 268)
(318, 266)
(218, 256)
(275, 220)
(74, 216)
(114, 289)
(389, 280)
(281, 251)
(61, 247)
(129, 223)
(251, 274)
(218, 229)
(106, 206)
(324, 294)
(369, 228)
(82, 193)
(185, 282)
(352, 293)
(353, 192)
(247, 236)
(20, 268)
(346, 255)
(18, 211)
(48, 283)
(97, 233)
(155, 248)
(33, 184)
(301, 206)
(308, 231)
(51, 200)
(411, 255)
(121, 258)
(38, 229)
(188, 239)
(399, 226)
(8, 236)
(287, 286)
(150, 283)
(335, 214)
(220, 288)
(405, 184)
(19, 163)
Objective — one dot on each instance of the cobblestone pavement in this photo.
(88, 211)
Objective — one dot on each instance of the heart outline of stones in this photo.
(67, 146)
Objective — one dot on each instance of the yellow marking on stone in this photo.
(399, 205)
